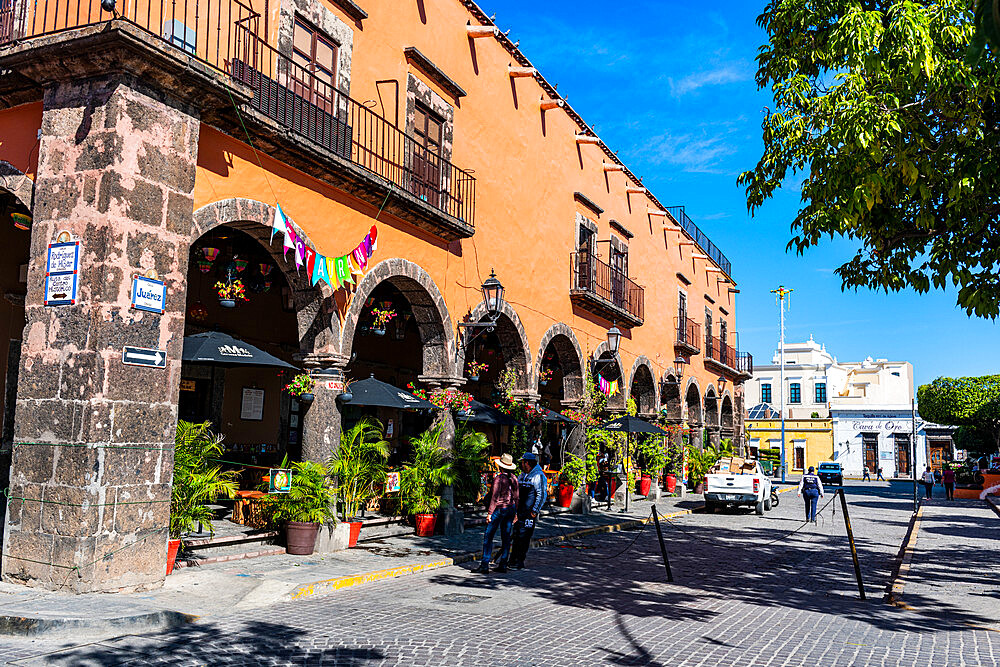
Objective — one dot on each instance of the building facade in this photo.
(808, 442)
(412, 144)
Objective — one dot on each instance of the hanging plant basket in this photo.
(378, 332)
(227, 303)
(308, 397)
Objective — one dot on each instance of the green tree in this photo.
(895, 133)
(970, 402)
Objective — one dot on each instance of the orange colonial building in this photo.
(161, 140)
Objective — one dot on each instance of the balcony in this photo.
(292, 114)
(699, 237)
(727, 359)
(688, 339)
(599, 288)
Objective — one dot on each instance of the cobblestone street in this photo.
(745, 593)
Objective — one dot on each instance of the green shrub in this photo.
(196, 482)
(421, 478)
(311, 498)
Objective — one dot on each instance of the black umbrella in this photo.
(382, 394)
(629, 424)
(484, 414)
(553, 416)
(214, 347)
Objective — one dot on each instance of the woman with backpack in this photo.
(811, 489)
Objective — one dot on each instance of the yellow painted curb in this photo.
(895, 594)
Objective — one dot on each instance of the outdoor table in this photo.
(249, 509)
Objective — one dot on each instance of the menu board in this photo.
(252, 407)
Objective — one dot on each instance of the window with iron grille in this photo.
(765, 393)
(821, 392)
(795, 393)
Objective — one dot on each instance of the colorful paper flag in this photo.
(280, 222)
(367, 243)
(360, 256)
(373, 235)
(289, 242)
(300, 253)
(320, 272)
(331, 272)
(310, 260)
(344, 270)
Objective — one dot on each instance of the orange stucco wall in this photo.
(19, 138)
(527, 167)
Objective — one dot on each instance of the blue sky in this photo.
(670, 85)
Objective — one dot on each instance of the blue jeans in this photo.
(502, 518)
(811, 496)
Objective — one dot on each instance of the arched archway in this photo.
(610, 368)
(642, 386)
(711, 407)
(560, 352)
(508, 338)
(727, 417)
(429, 313)
(695, 416)
(670, 398)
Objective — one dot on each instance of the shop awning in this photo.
(214, 347)
(630, 424)
(382, 394)
(481, 413)
(553, 416)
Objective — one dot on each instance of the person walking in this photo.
(928, 478)
(948, 477)
(811, 489)
(867, 477)
(879, 477)
(500, 512)
(532, 493)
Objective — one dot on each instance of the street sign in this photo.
(142, 356)
(148, 294)
(62, 268)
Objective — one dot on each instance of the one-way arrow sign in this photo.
(142, 356)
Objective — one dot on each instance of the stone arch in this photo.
(315, 308)
(567, 348)
(429, 313)
(513, 342)
(692, 400)
(643, 374)
(616, 402)
(670, 397)
(18, 184)
(711, 407)
(726, 416)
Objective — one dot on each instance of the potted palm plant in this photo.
(308, 503)
(359, 466)
(469, 460)
(197, 482)
(421, 480)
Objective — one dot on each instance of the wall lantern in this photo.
(720, 382)
(614, 340)
(679, 365)
(493, 296)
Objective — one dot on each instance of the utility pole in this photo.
(913, 437)
(782, 292)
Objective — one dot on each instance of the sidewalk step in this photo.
(223, 540)
(199, 558)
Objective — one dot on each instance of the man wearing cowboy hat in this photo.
(500, 512)
(533, 491)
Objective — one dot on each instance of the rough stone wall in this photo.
(93, 457)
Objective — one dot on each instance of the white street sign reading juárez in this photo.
(148, 294)
(143, 356)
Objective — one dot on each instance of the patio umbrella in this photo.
(382, 394)
(629, 424)
(213, 347)
(481, 413)
(553, 416)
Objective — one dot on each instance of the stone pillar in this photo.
(714, 436)
(695, 435)
(321, 422)
(450, 520)
(93, 457)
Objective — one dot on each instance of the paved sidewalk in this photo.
(223, 588)
(954, 564)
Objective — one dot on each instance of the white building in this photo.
(869, 403)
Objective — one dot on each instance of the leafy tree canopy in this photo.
(888, 111)
(970, 402)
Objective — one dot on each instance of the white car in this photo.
(751, 489)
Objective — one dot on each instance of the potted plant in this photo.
(421, 479)
(196, 482)
(544, 376)
(469, 459)
(475, 369)
(382, 317)
(308, 503)
(302, 386)
(230, 292)
(359, 466)
(572, 475)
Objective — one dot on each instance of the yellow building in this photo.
(808, 442)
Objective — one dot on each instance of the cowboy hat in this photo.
(506, 462)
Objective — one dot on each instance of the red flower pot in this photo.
(425, 524)
(645, 484)
(300, 537)
(352, 541)
(671, 483)
(173, 546)
(564, 495)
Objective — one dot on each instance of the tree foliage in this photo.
(970, 402)
(891, 120)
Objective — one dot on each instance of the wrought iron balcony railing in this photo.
(599, 287)
(699, 237)
(688, 334)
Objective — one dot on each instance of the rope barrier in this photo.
(7, 493)
(87, 445)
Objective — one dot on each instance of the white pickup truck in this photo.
(750, 488)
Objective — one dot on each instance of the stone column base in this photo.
(581, 502)
(333, 538)
(450, 521)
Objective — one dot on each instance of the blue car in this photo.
(831, 473)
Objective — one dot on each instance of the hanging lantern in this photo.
(21, 221)
(210, 253)
(204, 265)
(265, 269)
(267, 285)
(240, 264)
(198, 312)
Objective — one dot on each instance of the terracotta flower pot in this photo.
(564, 495)
(355, 533)
(425, 524)
(173, 546)
(300, 537)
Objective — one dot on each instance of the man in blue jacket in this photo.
(533, 491)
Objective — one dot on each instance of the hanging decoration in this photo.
(240, 264)
(335, 271)
(608, 388)
(204, 265)
(210, 253)
(265, 269)
(198, 312)
(21, 221)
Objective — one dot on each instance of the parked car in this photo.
(831, 473)
(751, 489)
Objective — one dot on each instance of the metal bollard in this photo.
(663, 548)
(850, 537)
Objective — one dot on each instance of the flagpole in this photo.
(782, 292)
